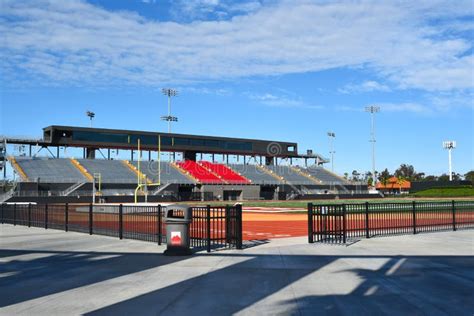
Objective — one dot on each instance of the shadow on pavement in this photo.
(413, 285)
(57, 271)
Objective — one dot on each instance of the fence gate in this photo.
(327, 223)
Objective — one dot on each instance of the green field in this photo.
(465, 191)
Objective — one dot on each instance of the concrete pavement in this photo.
(47, 272)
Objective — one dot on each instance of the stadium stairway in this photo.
(55, 170)
(135, 170)
(225, 173)
(325, 176)
(18, 169)
(271, 173)
(198, 172)
(287, 176)
(82, 169)
(169, 173)
(306, 175)
(255, 174)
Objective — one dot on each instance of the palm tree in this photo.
(400, 180)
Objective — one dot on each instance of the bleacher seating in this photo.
(322, 174)
(226, 173)
(62, 170)
(169, 174)
(290, 175)
(111, 171)
(57, 170)
(199, 172)
(255, 174)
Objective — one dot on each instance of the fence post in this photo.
(46, 216)
(14, 214)
(228, 226)
(310, 223)
(120, 221)
(90, 218)
(2, 206)
(239, 226)
(367, 235)
(66, 218)
(160, 230)
(29, 214)
(208, 228)
(454, 214)
(344, 228)
(414, 217)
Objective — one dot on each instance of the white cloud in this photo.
(220, 9)
(272, 100)
(206, 91)
(366, 86)
(405, 107)
(52, 42)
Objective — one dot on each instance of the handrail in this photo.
(137, 172)
(18, 168)
(82, 169)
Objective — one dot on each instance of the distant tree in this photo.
(443, 178)
(400, 180)
(370, 182)
(430, 178)
(355, 175)
(408, 172)
(346, 175)
(419, 176)
(469, 176)
(384, 176)
(456, 177)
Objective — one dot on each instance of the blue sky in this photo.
(282, 70)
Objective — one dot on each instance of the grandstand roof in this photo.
(128, 139)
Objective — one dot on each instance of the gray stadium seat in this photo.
(59, 170)
(111, 171)
(169, 174)
(291, 175)
(325, 176)
(256, 175)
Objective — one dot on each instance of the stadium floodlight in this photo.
(331, 136)
(373, 109)
(91, 116)
(169, 118)
(450, 145)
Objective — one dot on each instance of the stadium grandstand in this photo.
(259, 169)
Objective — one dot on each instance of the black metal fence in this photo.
(339, 223)
(212, 227)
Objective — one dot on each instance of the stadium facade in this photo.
(260, 170)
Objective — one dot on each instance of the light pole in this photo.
(91, 116)
(450, 145)
(170, 93)
(372, 110)
(332, 137)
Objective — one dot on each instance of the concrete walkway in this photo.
(56, 273)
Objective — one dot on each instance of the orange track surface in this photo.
(271, 225)
(255, 226)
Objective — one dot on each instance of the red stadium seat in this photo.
(200, 173)
(225, 173)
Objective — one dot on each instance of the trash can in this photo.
(177, 220)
